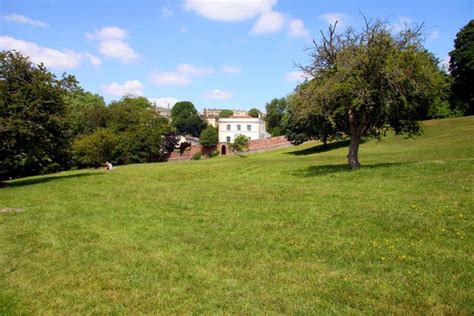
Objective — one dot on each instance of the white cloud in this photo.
(65, 59)
(296, 29)
(133, 87)
(112, 44)
(270, 22)
(229, 10)
(194, 71)
(444, 63)
(434, 35)
(166, 12)
(183, 29)
(218, 95)
(296, 76)
(164, 101)
(331, 18)
(402, 23)
(182, 76)
(231, 69)
(21, 19)
(170, 78)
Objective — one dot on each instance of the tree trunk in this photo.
(353, 157)
(357, 126)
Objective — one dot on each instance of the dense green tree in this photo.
(33, 136)
(85, 112)
(461, 66)
(128, 113)
(276, 111)
(186, 120)
(366, 82)
(253, 112)
(94, 149)
(226, 113)
(209, 137)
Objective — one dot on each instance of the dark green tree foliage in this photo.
(226, 113)
(33, 135)
(94, 149)
(85, 112)
(186, 120)
(366, 82)
(461, 66)
(253, 112)
(209, 137)
(276, 110)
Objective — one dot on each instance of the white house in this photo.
(252, 127)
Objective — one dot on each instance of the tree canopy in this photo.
(461, 66)
(33, 130)
(186, 120)
(209, 137)
(253, 112)
(225, 113)
(366, 82)
(276, 110)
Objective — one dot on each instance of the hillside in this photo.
(287, 231)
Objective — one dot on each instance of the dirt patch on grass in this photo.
(11, 210)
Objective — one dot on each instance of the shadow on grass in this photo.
(320, 148)
(314, 171)
(44, 179)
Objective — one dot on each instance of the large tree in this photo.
(186, 120)
(33, 127)
(461, 66)
(366, 82)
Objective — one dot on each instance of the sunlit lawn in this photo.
(287, 231)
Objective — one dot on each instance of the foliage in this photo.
(186, 120)
(213, 154)
(226, 113)
(253, 112)
(461, 66)
(240, 144)
(130, 113)
(197, 156)
(85, 112)
(94, 149)
(209, 137)
(366, 82)
(33, 136)
(276, 110)
(255, 227)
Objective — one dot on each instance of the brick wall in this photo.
(254, 146)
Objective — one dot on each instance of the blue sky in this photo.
(218, 54)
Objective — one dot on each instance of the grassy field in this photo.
(287, 231)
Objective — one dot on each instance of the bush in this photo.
(197, 156)
(213, 154)
(92, 150)
(209, 137)
(240, 144)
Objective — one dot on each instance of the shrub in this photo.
(240, 144)
(212, 154)
(197, 156)
(209, 137)
(92, 150)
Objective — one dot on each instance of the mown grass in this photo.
(289, 231)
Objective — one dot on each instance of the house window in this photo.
(238, 127)
(249, 127)
(228, 127)
(228, 138)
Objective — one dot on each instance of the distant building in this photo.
(164, 112)
(252, 127)
(211, 116)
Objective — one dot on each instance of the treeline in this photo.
(48, 124)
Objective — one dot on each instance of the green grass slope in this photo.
(287, 231)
